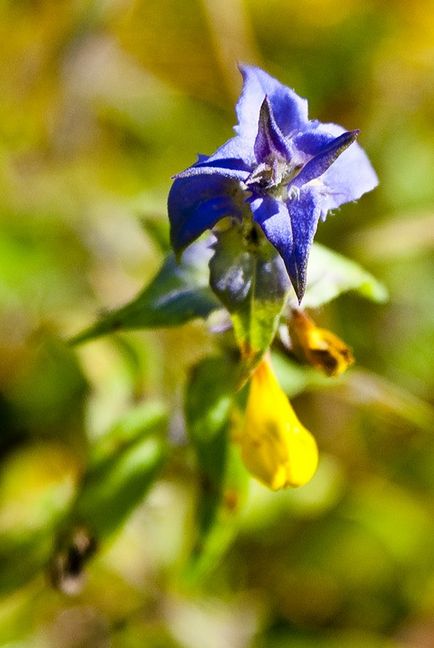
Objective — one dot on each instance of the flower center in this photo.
(272, 177)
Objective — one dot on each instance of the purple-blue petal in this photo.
(197, 203)
(269, 139)
(324, 158)
(290, 228)
(304, 212)
(349, 177)
(273, 217)
(236, 153)
(290, 110)
(206, 170)
(316, 136)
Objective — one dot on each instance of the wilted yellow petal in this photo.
(319, 347)
(275, 446)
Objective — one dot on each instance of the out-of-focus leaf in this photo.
(208, 403)
(22, 558)
(37, 487)
(46, 394)
(408, 235)
(178, 293)
(35, 273)
(138, 421)
(334, 639)
(124, 468)
(401, 522)
(253, 285)
(365, 388)
(330, 274)
(158, 231)
(112, 490)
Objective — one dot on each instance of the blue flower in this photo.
(281, 170)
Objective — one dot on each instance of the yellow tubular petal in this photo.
(275, 446)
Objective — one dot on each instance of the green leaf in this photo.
(210, 547)
(251, 281)
(208, 403)
(23, 557)
(207, 406)
(123, 469)
(178, 293)
(330, 274)
(140, 420)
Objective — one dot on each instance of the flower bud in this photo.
(275, 447)
(319, 347)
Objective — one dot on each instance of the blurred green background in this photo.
(101, 102)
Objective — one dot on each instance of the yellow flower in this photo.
(319, 347)
(275, 447)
